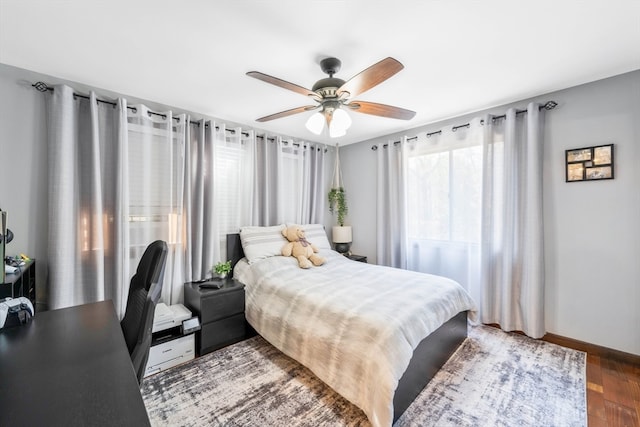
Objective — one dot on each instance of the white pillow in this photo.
(316, 235)
(262, 242)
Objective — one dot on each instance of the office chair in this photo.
(144, 293)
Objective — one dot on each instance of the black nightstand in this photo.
(354, 257)
(221, 313)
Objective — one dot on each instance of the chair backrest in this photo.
(144, 292)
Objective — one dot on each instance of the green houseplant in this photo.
(341, 234)
(338, 204)
(222, 269)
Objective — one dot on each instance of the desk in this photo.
(69, 367)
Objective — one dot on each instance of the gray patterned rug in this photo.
(494, 379)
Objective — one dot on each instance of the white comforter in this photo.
(355, 325)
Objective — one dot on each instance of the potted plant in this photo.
(338, 204)
(222, 269)
(341, 234)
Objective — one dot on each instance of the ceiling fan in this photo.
(333, 95)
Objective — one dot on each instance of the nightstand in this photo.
(221, 313)
(355, 257)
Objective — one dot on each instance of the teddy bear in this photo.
(300, 248)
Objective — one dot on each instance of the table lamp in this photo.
(342, 238)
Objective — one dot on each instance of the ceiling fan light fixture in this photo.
(315, 123)
(340, 122)
(335, 132)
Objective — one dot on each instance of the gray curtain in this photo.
(268, 164)
(313, 186)
(512, 263)
(391, 204)
(87, 146)
(115, 185)
(157, 158)
(120, 179)
(288, 182)
(202, 250)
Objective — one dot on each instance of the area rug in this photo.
(493, 379)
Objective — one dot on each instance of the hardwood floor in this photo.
(613, 384)
(613, 392)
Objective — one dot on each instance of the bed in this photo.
(375, 334)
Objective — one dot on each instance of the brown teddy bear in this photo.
(300, 248)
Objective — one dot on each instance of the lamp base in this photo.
(342, 248)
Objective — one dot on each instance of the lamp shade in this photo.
(339, 123)
(342, 234)
(315, 123)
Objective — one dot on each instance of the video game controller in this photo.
(12, 305)
(25, 303)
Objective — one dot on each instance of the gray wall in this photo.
(592, 229)
(23, 168)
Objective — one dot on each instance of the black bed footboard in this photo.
(427, 359)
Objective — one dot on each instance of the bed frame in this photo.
(427, 359)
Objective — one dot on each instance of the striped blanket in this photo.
(355, 325)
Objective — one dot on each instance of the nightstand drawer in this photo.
(215, 306)
(222, 332)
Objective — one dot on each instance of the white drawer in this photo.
(170, 353)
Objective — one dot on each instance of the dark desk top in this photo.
(69, 367)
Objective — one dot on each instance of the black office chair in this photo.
(144, 293)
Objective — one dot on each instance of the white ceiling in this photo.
(459, 56)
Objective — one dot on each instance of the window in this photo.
(444, 198)
(228, 187)
(444, 195)
(155, 185)
(290, 183)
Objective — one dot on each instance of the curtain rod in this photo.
(43, 87)
(549, 105)
(375, 147)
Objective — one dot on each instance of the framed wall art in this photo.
(589, 164)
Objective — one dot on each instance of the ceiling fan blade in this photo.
(381, 110)
(287, 113)
(281, 83)
(371, 77)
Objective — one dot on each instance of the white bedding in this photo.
(355, 325)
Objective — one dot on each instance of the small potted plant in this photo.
(222, 269)
(341, 234)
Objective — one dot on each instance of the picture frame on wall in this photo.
(589, 163)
